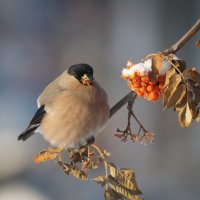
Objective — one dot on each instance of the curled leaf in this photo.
(198, 118)
(192, 74)
(126, 178)
(106, 153)
(110, 194)
(55, 149)
(75, 156)
(175, 80)
(126, 193)
(102, 180)
(180, 64)
(73, 170)
(181, 102)
(192, 105)
(196, 91)
(157, 61)
(44, 156)
(197, 44)
(185, 116)
(77, 173)
(175, 97)
(65, 166)
(169, 73)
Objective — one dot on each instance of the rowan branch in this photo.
(173, 49)
(184, 39)
(131, 96)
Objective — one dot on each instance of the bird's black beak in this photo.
(87, 79)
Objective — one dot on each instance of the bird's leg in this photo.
(90, 141)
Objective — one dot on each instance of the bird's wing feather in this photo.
(54, 88)
(34, 124)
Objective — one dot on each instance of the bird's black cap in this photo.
(79, 70)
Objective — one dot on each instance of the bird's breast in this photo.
(75, 116)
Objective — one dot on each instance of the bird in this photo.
(72, 109)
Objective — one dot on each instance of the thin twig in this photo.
(130, 96)
(105, 162)
(137, 120)
(181, 42)
(98, 150)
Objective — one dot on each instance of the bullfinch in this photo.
(72, 109)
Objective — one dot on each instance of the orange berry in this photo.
(156, 88)
(145, 79)
(136, 73)
(161, 79)
(136, 79)
(143, 89)
(150, 88)
(160, 85)
(150, 83)
(136, 85)
(143, 84)
(141, 94)
(153, 96)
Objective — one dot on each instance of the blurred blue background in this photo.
(39, 39)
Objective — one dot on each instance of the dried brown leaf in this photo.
(192, 105)
(110, 194)
(44, 156)
(77, 173)
(73, 170)
(130, 174)
(175, 80)
(128, 194)
(185, 116)
(75, 156)
(196, 91)
(102, 180)
(169, 74)
(197, 44)
(192, 74)
(55, 149)
(198, 118)
(128, 182)
(181, 65)
(175, 97)
(106, 153)
(66, 167)
(157, 61)
(181, 102)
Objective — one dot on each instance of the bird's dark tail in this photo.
(34, 124)
(28, 132)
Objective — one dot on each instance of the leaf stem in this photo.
(105, 162)
(176, 68)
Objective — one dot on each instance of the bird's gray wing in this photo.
(44, 101)
(34, 124)
(54, 88)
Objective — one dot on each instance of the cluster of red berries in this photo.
(145, 87)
